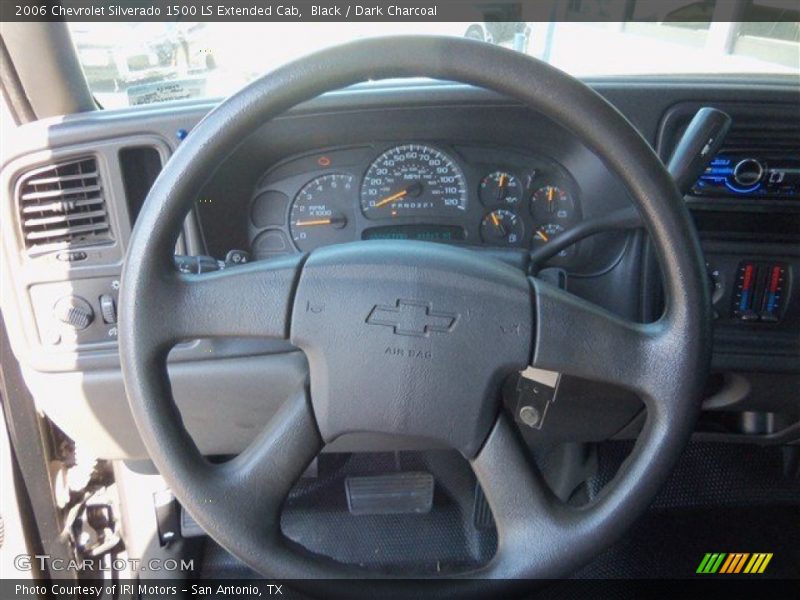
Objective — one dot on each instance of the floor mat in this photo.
(715, 474)
(720, 498)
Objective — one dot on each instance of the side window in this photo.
(771, 32)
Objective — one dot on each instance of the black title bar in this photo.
(397, 10)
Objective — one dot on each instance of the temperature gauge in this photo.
(500, 187)
(552, 203)
(502, 227)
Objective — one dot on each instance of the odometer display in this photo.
(422, 233)
(413, 180)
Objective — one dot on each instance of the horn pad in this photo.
(410, 338)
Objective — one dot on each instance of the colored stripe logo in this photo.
(733, 563)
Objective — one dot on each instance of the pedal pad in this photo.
(395, 494)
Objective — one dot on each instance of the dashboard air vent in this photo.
(755, 133)
(63, 205)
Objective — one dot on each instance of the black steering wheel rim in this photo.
(666, 362)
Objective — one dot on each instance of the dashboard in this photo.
(424, 161)
(461, 194)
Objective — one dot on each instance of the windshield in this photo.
(141, 63)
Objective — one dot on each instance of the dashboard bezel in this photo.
(475, 159)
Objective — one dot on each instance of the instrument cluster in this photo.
(458, 194)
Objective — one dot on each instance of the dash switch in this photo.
(108, 309)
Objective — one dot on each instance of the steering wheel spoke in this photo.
(526, 512)
(256, 482)
(539, 535)
(579, 338)
(252, 300)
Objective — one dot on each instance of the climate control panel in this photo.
(76, 313)
(759, 291)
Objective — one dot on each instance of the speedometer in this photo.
(413, 180)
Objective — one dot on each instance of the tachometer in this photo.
(321, 212)
(413, 180)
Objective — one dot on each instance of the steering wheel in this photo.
(472, 321)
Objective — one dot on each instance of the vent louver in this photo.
(756, 133)
(63, 205)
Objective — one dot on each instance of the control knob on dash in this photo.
(74, 311)
(108, 309)
(748, 172)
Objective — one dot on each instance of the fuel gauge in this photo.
(502, 227)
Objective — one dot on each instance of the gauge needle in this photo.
(314, 222)
(498, 224)
(551, 193)
(501, 184)
(391, 198)
(542, 235)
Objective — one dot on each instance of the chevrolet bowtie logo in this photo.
(410, 317)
